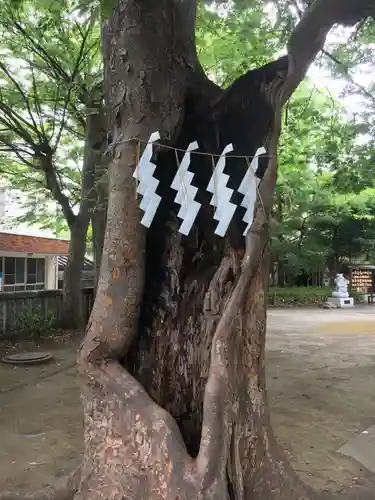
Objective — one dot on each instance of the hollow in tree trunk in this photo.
(173, 363)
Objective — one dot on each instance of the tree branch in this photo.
(344, 67)
(24, 98)
(37, 48)
(309, 36)
(38, 107)
(63, 120)
(80, 57)
(348, 76)
(25, 177)
(81, 53)
(14, 122)
(54, 67)
(54, 186)
(15, 149)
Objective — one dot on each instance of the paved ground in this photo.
(321, 370)
(362, 448)
(321, 366)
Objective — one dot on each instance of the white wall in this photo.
(51, 272)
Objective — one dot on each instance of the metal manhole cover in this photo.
(27, 358)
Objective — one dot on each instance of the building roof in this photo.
(32, 244)
(87, 263)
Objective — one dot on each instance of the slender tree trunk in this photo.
(173, 362)
(72, 312)
(100, 193)
(280, 261)
(99, 212)
(78, 225)
(98, 221)
(280, 274)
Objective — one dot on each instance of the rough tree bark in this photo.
(173, 367)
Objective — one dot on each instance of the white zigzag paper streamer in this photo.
(186, 192)
(221, 194)
(147, 183)
(248, 188)
(224, 209)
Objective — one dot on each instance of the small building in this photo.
(29, 262)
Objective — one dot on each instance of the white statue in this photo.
(341, 287)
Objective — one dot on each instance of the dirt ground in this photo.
(321, 365)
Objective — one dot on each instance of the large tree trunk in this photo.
(173, 361)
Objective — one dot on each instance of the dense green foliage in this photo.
(320, 220)
(51, 74)
(298, 296)
(323, 213)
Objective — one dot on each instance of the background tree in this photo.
(224, 42)
(322, 168)
(323, 151)
(53, 121)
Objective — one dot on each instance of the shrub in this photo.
(300, 296)
(35, 323)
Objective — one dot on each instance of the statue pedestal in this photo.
(341, 302)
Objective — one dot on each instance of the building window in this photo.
(20, 270)
(22, 274)
(9, 271)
